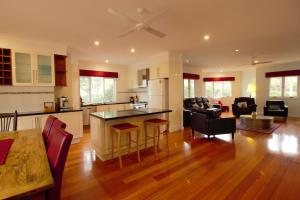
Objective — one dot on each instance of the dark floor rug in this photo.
(271, 130)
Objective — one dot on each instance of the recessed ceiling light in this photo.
(96, 43)
(132, 50)
(237, 50)
(256, 61)
(187, 61)
(106, 61)
(206, 37)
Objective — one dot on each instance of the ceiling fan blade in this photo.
(154, 32)
(155, 17)
(126, 33)
(263, 62)
(120, 15)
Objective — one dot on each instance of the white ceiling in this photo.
(266, 28)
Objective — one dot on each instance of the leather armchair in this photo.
(207, 125)
(251, 106)
(276, 108)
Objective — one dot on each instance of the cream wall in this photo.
(122, 83)
(262, 87)
(248, 77)
(236, 85)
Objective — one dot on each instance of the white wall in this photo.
(236, 85)
(262, 87)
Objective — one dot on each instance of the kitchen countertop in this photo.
(111, 115)
(44, 113)
(112, 103)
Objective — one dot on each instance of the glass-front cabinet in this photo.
(45, 70)
(23, 68)
(33, 69)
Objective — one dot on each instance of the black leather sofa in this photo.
(200, 105)
(208, 125)
(276, 108)
(237, 110)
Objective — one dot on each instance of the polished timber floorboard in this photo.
(254, 166)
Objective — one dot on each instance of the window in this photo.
(218, 89)
(283, 86)
(189, 88)
(97, 89)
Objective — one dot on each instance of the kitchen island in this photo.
(102, 121)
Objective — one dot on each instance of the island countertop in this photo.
(111, 115)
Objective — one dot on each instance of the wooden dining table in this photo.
(26, 170)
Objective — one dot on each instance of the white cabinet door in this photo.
(26, 122)
(44, 72)
(74, 123)
(128, 106)
(22, 63)
(33, 69)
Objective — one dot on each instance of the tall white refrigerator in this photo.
(158, 93)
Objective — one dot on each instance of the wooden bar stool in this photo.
(156, 123)
(125, 128)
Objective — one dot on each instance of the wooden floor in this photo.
(253, 166)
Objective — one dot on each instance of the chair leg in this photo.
(129, 142)
(146, 136)
(158, 136)
(167, 138)
(232, 136)
(119, 151)
(154, 140)
(112, 144)
(137, 144)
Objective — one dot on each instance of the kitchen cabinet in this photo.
(33, 69)
(159, 70)
(73, 121)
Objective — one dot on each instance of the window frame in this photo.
(103, 85)
(213, 89)
(283, 83)
(189, 88)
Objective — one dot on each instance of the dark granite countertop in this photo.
(111, 115)
(45, 113)
(112, 103)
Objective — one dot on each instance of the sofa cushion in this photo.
(242, 104)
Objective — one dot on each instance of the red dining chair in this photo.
(58, 147)
(58, 124)
(47, 127)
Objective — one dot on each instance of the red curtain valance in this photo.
(283, 73)
(210, 79)
(191, 76)
(98, 73)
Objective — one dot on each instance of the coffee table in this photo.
(259, 122)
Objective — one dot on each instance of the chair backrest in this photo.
(279, 103)
(5, 121)
(47, 127)
(249, 100)
(58, 124)
(58, 148)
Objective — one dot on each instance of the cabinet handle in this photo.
(36, 75)
(33, 76)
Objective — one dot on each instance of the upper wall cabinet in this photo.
(33, 69)
(159, 70)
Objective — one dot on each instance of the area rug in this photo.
(271, 130)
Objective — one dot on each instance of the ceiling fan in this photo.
(255, 61)
(139, 25)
